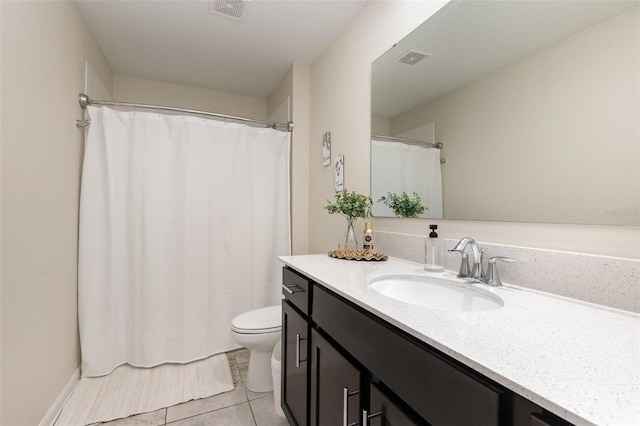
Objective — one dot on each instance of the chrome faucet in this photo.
(477, 272)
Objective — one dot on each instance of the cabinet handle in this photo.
(345, 406)
(298, 360)
(366, 416)
(537, 420)
(292, 288)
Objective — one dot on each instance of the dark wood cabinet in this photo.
(295, 339)
(360, 366)
(335, 385)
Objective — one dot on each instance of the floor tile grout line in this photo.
(255, 422)
(208, 412)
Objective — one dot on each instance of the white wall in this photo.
(145, 91)
(340, 103)
(554, 134)
(295, 87)
(44, 48)
(380, 126)
(282, 93)
(300, 159)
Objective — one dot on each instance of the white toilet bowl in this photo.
(258, 330)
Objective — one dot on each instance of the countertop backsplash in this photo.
(608, 281)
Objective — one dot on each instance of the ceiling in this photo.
(180, 41)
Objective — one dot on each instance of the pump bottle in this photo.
(432, 251)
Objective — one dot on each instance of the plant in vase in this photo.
(352, 206)
(403, 205)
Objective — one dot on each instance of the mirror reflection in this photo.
(536, 105)
(407, 164)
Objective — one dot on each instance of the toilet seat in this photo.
(259, 321)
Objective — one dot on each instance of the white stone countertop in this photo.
(578, 360)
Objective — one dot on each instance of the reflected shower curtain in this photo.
(181, 223)
(404, 167)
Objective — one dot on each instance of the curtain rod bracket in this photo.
(84, 100)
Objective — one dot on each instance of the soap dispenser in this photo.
(432, 251)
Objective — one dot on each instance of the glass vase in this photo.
(351, 243)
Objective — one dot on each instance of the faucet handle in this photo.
(482, 271)
(492, 277)
(464, 263)
(501, 258)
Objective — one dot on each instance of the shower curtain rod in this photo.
(437, 145)
(85, 100)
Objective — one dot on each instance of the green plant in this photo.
(403, 205)
(350, 205)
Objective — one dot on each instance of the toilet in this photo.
(259, 331)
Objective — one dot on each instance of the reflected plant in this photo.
(403, 205)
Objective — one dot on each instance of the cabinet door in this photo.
(335, 386)
(382, 411)
(295, 343)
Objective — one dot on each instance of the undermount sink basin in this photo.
(435, 293)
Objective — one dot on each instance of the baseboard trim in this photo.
(50, 418)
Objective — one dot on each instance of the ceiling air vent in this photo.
(230, 8)
(412, 57)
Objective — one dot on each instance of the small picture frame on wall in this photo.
(339, 160)
(326, 149)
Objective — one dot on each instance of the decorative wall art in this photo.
(326, 149)
(339, 160)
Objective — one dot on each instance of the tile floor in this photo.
(239, 407)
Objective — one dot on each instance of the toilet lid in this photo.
(263, 320)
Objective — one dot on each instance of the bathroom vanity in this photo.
(354, 356)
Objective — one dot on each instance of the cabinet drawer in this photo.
(296, 289)
(436, 388)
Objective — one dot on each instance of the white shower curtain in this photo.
(403, 167)
(181, 223)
